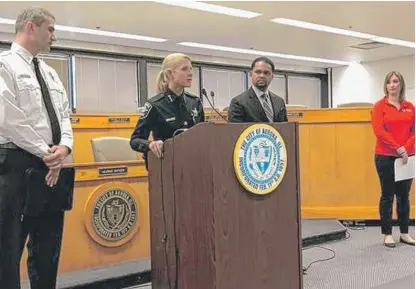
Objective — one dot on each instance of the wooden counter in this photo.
(338, 180)
(338, 176)
(112, 197)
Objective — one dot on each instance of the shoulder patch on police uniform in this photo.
(147, 108)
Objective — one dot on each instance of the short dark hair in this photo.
(262, 59)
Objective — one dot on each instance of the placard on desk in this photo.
(75, 119)
(112, 171)
(119, 119)
(293, 114)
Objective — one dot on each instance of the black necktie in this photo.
(56, 129)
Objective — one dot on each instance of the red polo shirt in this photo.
(393, 127)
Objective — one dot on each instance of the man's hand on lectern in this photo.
(157, 148)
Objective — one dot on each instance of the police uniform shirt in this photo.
(164, 114)
(24, 120)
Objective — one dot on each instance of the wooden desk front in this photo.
(113, 198)
(338, 177)
(338, 180)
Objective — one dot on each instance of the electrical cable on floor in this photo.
(305, 269)
(349, 227)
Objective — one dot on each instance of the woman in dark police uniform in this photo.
(172, 109)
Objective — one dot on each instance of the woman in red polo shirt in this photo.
(393, 120)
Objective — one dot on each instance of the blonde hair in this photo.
(36, 15)
(402, 84)
(169, 63)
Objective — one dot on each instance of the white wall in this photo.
(364, 82)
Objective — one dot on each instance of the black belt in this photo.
(12, 146)
(9, 145)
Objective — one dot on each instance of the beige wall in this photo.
(364, 82)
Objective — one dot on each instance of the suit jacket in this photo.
(246, 107)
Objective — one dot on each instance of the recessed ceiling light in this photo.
(329, 29)
(211, 8)
(7, 21)
(95, 32)
(263, 53)
(108, 33)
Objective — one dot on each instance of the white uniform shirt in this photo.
(24, 120)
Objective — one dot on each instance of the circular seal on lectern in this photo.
(112, 214)
(260, 159)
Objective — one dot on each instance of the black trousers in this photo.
(389, 188)
(44, 231)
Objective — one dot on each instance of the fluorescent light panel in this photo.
(329, 29)
(211, 8)
(95, 32)
(262, 53)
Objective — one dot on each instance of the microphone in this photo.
(204, 93)
(213, 99)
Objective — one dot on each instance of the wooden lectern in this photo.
(207, 231)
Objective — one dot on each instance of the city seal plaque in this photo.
(260, 159)
(112, 214)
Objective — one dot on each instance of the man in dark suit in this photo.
(258, 104)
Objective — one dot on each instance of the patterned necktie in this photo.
(56, 129)
(267, 107)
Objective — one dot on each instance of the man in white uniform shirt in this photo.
(35, 133)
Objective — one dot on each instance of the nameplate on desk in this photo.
(74, 119)
(214, 117)
(112, 171)
(295, 114)
(119, 119)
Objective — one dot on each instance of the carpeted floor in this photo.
(360, 262)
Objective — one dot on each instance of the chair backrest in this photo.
(110, 148)
(356, 104)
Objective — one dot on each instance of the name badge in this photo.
(23, 76)
(170, 119)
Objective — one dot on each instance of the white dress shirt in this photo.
(24, 120)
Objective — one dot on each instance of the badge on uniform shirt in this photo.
(23, 76)
(194, 113)
(51, 75)
(147, 109)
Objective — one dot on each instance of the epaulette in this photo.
(190, 94)
(5, 53)
(157, 97)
